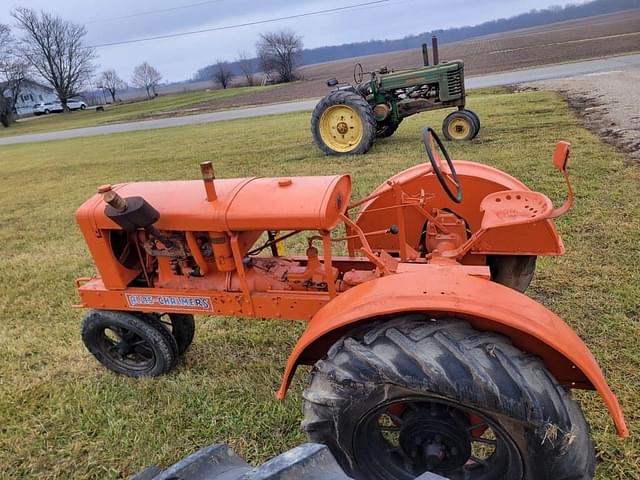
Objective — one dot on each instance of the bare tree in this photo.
(13, 72)
(146, 76)
(55, 49)
(111, 82)
(247, 67)
(222, 73)
(280, 52)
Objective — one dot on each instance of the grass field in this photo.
(64, 416)
(126, 112)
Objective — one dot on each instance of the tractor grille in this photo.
(454, 83)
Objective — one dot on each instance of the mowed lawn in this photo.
(171, 104)
(62, 415)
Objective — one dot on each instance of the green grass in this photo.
(64, 416)
(159, 106)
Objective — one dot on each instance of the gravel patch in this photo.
(608, 102)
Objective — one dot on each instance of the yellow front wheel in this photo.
(343, 124)
(459, 125)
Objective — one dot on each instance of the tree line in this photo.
(53, 50)
(532, 18)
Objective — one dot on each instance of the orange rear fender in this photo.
(449, 291)
(478, 181)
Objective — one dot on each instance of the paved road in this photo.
(497, 79)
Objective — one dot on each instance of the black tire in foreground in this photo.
(397, 398)
(385, 130)
(343, 124)
(129, 344)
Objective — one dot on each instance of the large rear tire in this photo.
(413, 394)
(343, 124)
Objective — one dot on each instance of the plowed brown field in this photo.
(591, 37)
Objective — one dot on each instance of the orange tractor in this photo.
(426, 355)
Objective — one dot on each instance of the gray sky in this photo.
(179, 58)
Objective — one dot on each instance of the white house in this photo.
(31, 93)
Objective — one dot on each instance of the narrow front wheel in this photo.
(459, 126)
(129, 344)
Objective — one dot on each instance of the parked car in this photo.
(46, 108)
(75, 104)
(56, 107)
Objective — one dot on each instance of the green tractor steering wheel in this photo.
(431, 140)
(358, 73)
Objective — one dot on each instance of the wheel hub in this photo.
(341, 128)
(436, 438)
(459, 128)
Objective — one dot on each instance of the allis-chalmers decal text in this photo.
(181, 301)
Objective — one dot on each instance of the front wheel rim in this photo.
(341, 128)
(125, 348)
(459, 128)
(403, 439)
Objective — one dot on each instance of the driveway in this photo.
(493, 80)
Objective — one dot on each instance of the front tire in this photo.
(413, 394)
(129, 344)
(343, 124)
(459, 126)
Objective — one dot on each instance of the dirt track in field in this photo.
(574, 40)
(608, 104)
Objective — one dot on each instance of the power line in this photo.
(238, 25)
(150, 12)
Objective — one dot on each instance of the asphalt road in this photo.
(493, 80)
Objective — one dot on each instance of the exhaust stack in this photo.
(425, 54)
(208, 177)
(434, 46)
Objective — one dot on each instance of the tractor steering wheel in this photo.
(358, 73)
(431, 140)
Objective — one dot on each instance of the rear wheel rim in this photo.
(404, 438)
(341, 128)
(459, 128)
(125, 348)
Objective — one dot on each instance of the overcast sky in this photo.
(179, 58)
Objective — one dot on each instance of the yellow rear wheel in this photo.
(341, 128)
(343, 124)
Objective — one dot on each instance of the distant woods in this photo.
(532, 18)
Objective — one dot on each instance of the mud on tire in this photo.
(439, 385)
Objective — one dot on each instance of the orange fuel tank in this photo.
(241, 204)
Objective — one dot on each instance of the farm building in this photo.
(31, 93)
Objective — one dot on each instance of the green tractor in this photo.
(350, 118)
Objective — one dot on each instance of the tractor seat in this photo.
(514, 207)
